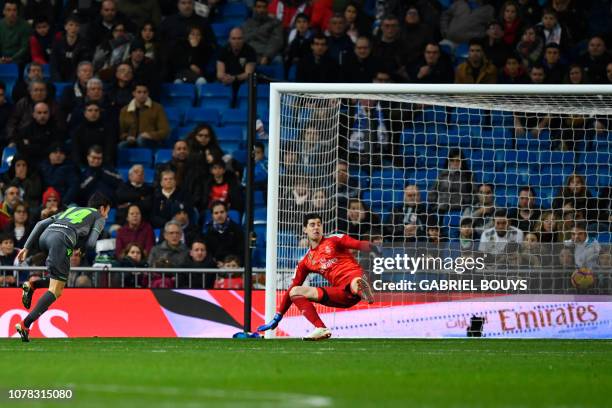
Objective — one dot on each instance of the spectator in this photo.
(145, 70)
(530, 47)
(493, 240)
(513, 72)
(97, 177)
(467, 243)
(235, 62)
(120, 93)
(263, 33)
(565, 260)
(531, 122)
(34, 73)
(178, 163)
(134, 256)
(554, 71)
(434, 234)
(321, 204)
(142, 122)
(222, 186)
(482, 212)
(68, 50)
(188, 224)
(113, 51)
(34, 10)
(6, 108)
(12, 197)
(530, 251)
(8, 253)
(191, 58)
(22, 115)
(202, 137)
(415, 35)
(526, 214)
(298, 42)
(176, 27)
(74, 94)
(200, 258)
(453, 189)
(14, 35)
(20, 226)
(357, 22)
(134, 192)
(359, 221)
(51, 203)
(494, 46)
(339, 44)
(59, 173)
(148, 35)
(260, 170)
(476, 69)
(32, 138)
(511, 22)
(295, 202)
(360, 66)
(596, 60)
(135, 230)
(578, 197)
(570, 15)
(529, 11)
(288, 11)
(317, 66)
(410, 219)
(139, 11)
(93, 131)
(100, 30)
(465, 20)
(388, 46)
(577, 76)
(171, 252)
(434, 67)
(168, 199)
(41, 40)
(322, 10)
(233, 280)
(346, 187)
(222, 235)
(551, 31)
(586, 249)
(21, 175)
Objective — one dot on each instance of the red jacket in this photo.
(142, 235)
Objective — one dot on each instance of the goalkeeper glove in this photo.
(272, 324)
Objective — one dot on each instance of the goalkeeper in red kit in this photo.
(330, 257)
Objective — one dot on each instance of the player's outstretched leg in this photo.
(55, 290)
(301, 297)
(27, 290)
(361, 287)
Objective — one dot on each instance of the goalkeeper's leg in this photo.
(302, 297)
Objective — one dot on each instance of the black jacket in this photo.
(228, 242)
(88, 134)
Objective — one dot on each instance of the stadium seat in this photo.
(195, 116)
(46, 68)
(235, 216)
(452, 221)
(60, 87)
(434, 114)
(178, 95)
(263, 95)
(174, 116)
(221, 31)
(259, 198)
(9, 73)
(230, 146)
(235, 117)
(231, 133)
(260, 214)
(273, 71)
(135, 155)
(501, 119)
(179, 133)
(234, 10)
(214, 96)
(464, 116)
(385, 200)
(7, 156)
(163, 156)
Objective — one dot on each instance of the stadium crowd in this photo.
(89, 89)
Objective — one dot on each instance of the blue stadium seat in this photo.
(179, 133)
(501, 119)
(481, 160)
(230, 146)
(60, 87)
(135, 155)
(234, 10)
(221, 31)
(465, 116)
(263, 95)
(46, 68)
(260, 233)
(235, 117)
(178, 95)
(452, 221)
(434, 114)
(7, 156)
(230, 133)
(235, 216)
(9, 73)
(214, 96)
(174, 116)
(291, 75)
(548, 157)
(274, 71)
(258, 198)
(112, 215)
(383, 199)
(461, 51)
(163, 156)
(149, 174)
(195, 116)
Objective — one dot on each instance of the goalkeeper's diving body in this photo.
(331, 257)
(76, 228)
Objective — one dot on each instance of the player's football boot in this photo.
(365, 291)
(27, 291)
(320, 333)
(23, 331)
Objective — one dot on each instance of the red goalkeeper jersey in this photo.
(332, 259)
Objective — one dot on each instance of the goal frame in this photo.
(278, 88)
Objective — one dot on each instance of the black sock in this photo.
(41, 307)
(40, 283)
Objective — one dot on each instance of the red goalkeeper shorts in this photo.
(337, 296)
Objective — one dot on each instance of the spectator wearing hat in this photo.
(60, 173)
(144, 69)
(142, 122)
(14, 35)
(93, 130)
(68, 50)
(51, 203)
(188, 224)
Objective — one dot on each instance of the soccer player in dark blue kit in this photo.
(77, 228)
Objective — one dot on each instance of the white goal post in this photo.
(587, 101)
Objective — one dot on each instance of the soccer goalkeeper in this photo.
(331, 257)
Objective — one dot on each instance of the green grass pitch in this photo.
(153, 373)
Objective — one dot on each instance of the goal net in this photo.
(515, 178)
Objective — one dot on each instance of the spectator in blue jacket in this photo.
(260, 171)
(60, 173)
(97, 177)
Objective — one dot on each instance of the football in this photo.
(583, 279)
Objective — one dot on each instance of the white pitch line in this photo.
(291, 399)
